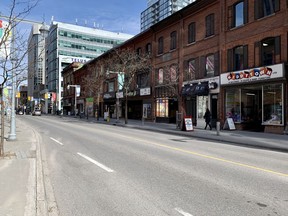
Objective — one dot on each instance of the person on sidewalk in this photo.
(207, 117)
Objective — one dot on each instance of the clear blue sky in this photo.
(112, 15)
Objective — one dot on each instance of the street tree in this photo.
(127, 63)
(92, 81)
(13, 48)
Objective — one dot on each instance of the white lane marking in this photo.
(96, 163)
(56, 141)
(182, 212)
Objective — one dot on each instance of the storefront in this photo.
(254, 98)
(200, 95)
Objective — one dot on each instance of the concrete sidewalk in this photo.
(21, 174)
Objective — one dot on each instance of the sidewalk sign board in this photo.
(229, 124)
(188, 123)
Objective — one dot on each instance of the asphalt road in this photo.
(105, 170)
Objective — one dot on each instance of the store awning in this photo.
(195, 89)
(188, 90)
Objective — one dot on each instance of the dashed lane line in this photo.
(96, 163)
(56, 141)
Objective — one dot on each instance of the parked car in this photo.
(36, 112)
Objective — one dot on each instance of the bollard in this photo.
(143, 120)
(218, 128)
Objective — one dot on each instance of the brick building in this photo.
(228, 56)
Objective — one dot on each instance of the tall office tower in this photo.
(67, 43)
(36, 61)
(160, 9)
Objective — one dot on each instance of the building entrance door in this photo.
(202, 104)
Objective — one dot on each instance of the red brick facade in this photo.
(218, 48)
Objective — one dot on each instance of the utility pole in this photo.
(43, 29)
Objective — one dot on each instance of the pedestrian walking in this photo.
(207, 117)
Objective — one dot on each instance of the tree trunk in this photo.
(126, 107)
(2, 124)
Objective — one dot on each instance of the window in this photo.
(162, 107)
(270, 47)
(149, 49)
(272, 104)
(266, 7)
(160, 45)
(139, 51)
(191, 33)
(143, 80)
(210, 25)
(238, 58)
(110, 86)
(190, 72)
(173, 73)
(239, 14)
(209, 72)
(160, 76)
(173, 40)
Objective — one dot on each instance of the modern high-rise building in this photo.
(67, 43)
(36, 61)
(158, 10)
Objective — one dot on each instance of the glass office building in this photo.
(159, 10)
(67, 43)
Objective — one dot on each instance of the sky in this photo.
(111, 15)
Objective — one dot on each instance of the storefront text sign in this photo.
(252, 75)
(145, 91)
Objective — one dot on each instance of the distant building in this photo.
(65, 43)
(36, 62)
(160, 9)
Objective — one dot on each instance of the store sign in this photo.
(5, 39)
(252, 75)
(145, 91)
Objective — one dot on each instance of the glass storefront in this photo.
(255, 105)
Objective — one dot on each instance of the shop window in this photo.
(160, 45)
(191, 33)
(162, 107)
(273, 104)
(233, 105)
(270, 47)
(266, 7)
(210, 25)
(209, 72)
(173, 40)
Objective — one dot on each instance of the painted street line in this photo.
(96, 163)
(182, 212)
(56, 141)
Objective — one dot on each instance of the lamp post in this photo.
(77, 93)
(43, 29)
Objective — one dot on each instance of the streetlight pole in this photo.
(12, 134)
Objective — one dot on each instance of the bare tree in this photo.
(127, 63)
(13, 49)
(92, 82)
